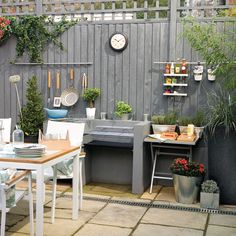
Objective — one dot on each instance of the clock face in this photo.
(118, 41)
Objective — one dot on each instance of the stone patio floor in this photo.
(110, 210)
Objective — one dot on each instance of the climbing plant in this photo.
(33, 33)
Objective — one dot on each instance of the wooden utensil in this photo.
(49, 87)
(57, 99)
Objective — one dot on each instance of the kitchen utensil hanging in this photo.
(84, 82)
(57, 98)
(49, 88)
(70, 95)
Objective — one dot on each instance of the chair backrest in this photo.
(75, 130)
(6, 131)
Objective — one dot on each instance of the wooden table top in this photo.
(52, 154)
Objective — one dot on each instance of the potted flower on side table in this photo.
(210, 195)
(90, 95)
(187, 178)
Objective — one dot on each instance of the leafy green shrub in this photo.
(122, 108)
(90, 95)
(209, 186)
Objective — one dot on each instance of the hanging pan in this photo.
(70, 95)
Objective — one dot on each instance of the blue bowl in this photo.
(56, 113)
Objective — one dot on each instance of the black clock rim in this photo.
(126, 41)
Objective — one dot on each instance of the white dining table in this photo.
(50, 158)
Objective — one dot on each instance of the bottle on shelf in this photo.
(172, 68)
(17, 136)
(177, 66)
(177, 129)
(184, 66)
(167, 68)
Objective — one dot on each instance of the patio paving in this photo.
(119, 215)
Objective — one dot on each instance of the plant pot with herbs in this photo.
(32, 112)
(187, 179)
(123, 110)
(90, 95)
(210, 195)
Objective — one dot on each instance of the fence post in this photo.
(172, 29)
(39, 7)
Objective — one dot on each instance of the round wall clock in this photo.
(118, 41)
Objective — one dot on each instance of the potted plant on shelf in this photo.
(123, 110)
(210, 195)
(90, 95)
(32, 112)
(187, 178)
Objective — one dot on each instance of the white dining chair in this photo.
(76, 131)
(6, 187)
(5, 128)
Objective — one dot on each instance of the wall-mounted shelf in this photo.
(180, 75)
(54, 63)
(176, 94)
(173, 85)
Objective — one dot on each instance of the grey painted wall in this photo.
(131, 75)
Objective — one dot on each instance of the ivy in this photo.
(33, 33)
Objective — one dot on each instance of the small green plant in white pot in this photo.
(90, 95)
(210, 195)
(123, 110)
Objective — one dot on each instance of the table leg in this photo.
(39, 202)
(75, 187)
(153, 171)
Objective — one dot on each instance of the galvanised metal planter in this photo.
(209, 200)
(187, 188)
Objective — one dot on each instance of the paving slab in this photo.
(119, 215)
(166, 194)
(226, 220)
(155, 190)
(61, 227)
(12, 219)
(215, 230)
(160, 230)
(170, 217)
(102, 230)
(88, 205)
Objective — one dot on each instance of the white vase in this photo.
(125, 116)
(90, 112)
(211, 76)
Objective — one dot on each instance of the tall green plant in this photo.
(32, 112)
(218, 49)
(34, 32)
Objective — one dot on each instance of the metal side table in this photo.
(170, 148)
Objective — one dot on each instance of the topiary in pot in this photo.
(90, 95)
(210, 195)
(123, 110)
(32, 112)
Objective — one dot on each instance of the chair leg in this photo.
(3, 217)
(80, 183)
(31, 206)
(54, 192)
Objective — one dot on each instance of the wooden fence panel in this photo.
(131, 75)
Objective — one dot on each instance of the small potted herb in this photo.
(90, 95)
(123, 110)
(210, 195)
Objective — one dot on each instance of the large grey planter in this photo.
(209, 200)
(187, 188)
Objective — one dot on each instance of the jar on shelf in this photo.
(178, 66)
(184, 66)
(167, 68)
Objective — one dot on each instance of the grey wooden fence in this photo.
(134, 75)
